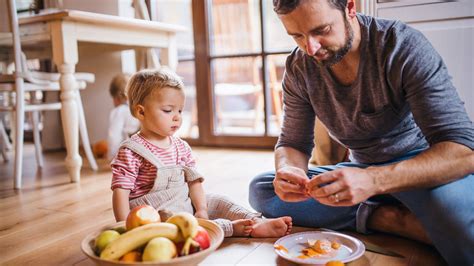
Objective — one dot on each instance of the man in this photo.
(383, 92)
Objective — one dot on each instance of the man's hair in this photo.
(117, 86)
(283, 7)
(145, 82)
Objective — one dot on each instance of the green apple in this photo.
(120, 229)
(104, 238)
(159, 249)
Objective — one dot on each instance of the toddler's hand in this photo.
(201, 214)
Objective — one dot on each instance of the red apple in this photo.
(202, 238)
(140, 215)
(201, 241)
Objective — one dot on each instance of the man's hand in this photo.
(201, 214)
(342, 187)
(290, 184)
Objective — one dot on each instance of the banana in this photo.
(186, 222)
(137, 237)
(188, 227)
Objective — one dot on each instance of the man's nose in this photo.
(312, 45)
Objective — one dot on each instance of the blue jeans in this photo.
(446, 212)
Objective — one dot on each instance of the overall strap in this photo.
(142, 151)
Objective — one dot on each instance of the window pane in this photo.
(238, 96)
(235, 27)
(276, 38)
(166, 11)
(189, 128)
(276, 68)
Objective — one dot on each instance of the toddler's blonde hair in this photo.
(145, 81)
(117, 86)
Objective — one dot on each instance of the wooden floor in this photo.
(44, 223)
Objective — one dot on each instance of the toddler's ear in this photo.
(140, 111)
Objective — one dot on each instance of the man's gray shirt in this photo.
(402, 99)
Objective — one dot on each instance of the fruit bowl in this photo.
(215, 233)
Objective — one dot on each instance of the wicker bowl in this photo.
(215, 233)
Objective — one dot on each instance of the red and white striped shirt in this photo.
(133, 172)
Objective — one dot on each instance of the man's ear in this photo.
(139, 112)
(351, 9)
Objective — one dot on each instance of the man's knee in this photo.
(260, 187)
(262, 182)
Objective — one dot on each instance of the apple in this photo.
(120, 229)
(202, 238)
(140, 215)
(159, 249)
(104, 238)
(201, 241)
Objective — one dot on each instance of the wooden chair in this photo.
(23, 81)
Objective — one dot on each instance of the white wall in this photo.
(104, 63)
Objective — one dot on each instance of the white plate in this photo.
(351, 248)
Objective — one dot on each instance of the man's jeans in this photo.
(446, 212)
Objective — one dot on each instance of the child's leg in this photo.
(219, 206)
(222, 207)
(234, 219)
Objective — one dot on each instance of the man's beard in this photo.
(336, 55)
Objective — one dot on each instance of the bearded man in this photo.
(382, 91)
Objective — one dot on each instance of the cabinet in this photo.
(449, 25)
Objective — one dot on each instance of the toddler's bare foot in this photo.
(242, 227)
(272, 227)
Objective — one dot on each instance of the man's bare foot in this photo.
(242, 227)
(276, 227)
(398, 220)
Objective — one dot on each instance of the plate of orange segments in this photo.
(319, 247)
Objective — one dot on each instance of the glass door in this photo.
(232, 60)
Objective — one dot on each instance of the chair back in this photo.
(15, 31)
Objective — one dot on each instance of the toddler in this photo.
(156, 168)
(121, 122)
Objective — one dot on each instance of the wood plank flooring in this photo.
(45, 222)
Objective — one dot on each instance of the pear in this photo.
(159, 249)
(104, 238)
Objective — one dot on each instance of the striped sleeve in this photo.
(189, 160)
(189, 163)
(125, 169)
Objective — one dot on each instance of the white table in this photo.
(63, 30)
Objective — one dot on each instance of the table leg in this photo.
(70, 120)
(65, 56)
(169, 55)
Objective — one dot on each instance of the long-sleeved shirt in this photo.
(402, 99)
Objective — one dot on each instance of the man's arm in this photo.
(287, 156)
(444, 162)
(290, 180)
